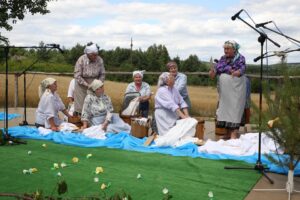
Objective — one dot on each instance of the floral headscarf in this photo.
(44, 85)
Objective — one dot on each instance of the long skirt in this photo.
(115, 126)
(232, 99)
(80, 94)
(165, 120)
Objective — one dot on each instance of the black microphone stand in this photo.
(7, 138)
(25, 123)
(258, 166)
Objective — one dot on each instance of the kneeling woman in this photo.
(49, 106)
(169, 104)
(97, 110)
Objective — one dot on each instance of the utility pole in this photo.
(131, 45)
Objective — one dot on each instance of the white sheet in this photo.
(246, 145)
(183, 132)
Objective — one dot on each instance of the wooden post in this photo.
(16, 90)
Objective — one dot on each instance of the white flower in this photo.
(139, 176)
(103, 186)
(165, 191)
(125, 198)
(210, 194)
(59, 174)
(89, 155)
(55, 165)
(96, 179)
(29, 152)
(62, 165)
(44, 145)
(25, 171)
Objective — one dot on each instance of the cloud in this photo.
(184, 28)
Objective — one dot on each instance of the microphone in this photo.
(216, 60)
(262, 24)
(56, 46)
(236, 15)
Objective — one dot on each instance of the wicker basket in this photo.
(138, 130)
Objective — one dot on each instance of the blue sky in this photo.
(195, 27)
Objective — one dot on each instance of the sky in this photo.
(185, 27)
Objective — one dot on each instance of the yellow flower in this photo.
(103, 186)
(89, 155)
(44, 145)
(99, 170)
(33, 170)
(75, 160)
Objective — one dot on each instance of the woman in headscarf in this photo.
(180, 82)
(138, 85)
(169, 104)
(97, 110)
(88, 67)
(49, 106)
(232, 89)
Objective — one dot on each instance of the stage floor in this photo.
(209, 133)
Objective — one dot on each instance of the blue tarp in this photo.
(125, 141)
(9, 117)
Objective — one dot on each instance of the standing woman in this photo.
(138, 85)
(232, 89)
(88, 67)
(49, 106)
(169, 104)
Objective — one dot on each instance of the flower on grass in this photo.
(99, 170)
(75, 160)
(44, 145)
(29, 152)
(25, 171)
(165, 191)
(139, 176)
(96, 179)
(59, 174)
(89, 155)
(32, 170)
(103, 186)
(62, 165)
(210, 194)
(55, 165)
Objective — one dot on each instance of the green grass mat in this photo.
(186, 178)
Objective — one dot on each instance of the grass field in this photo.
(204, 99)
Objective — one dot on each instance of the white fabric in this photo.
(64, 127)
(71, 88)
(91, 49)
(246, 145)
(95, 85)
(232, 98)
(183, 132)
(95, 132)
(132, 107)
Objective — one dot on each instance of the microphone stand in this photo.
(6, 137)
(25, 123)
(258, 166)
(274, 54)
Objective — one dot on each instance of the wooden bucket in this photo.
(138, 130)
(200, 128)
(127, 118)
(221, 131)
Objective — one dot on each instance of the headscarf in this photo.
(162, 80)
(171, 64)
(233, 44)
(91, 49)
(141, 73)
(44, 85)
(95, 85)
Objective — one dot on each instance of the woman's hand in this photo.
(54, 128)
(236, 73)
(104, 125)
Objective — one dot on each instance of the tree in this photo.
(13, 10)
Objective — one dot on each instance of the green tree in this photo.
(13, 10)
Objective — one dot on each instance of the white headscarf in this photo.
(162, 80)
(91, 49)
(141, 73)
(95, 85)
(44, 85)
